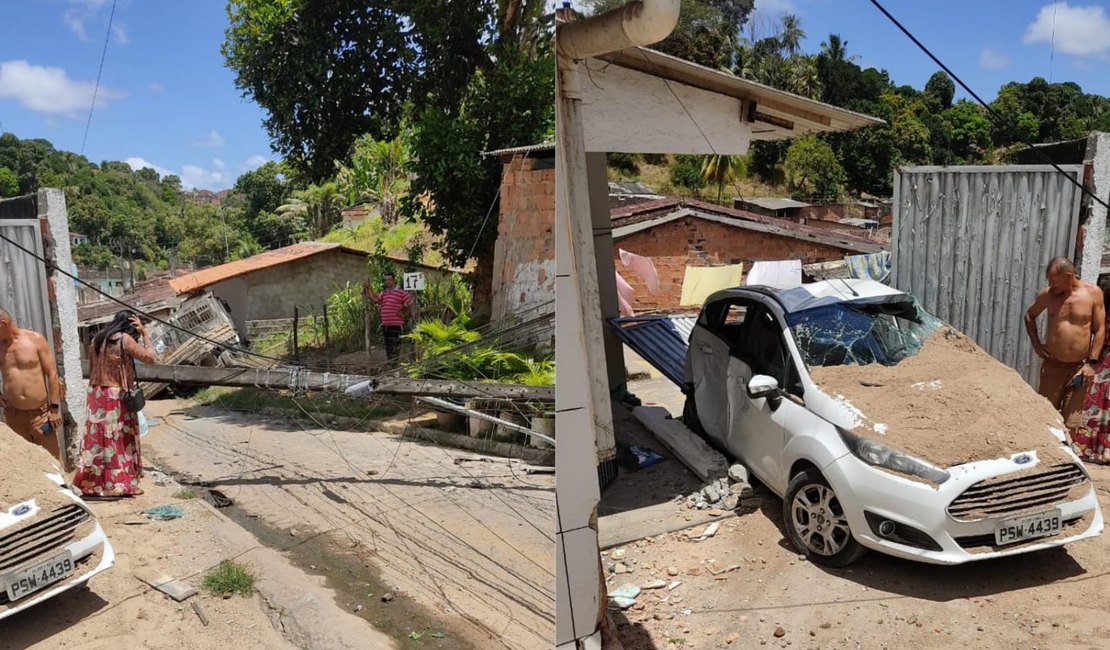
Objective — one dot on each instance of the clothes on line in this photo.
(873, 266)
(779, 273)
(624, 296)
(701, 281)
(644, 267)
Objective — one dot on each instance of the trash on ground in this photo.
(165, 513)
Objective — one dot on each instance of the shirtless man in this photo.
(32, 392)
(1074, 336)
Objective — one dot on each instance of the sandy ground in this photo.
(467, 540)
(737, 587)
(117, 610)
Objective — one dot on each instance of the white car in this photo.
(50, 541)
(749, 390)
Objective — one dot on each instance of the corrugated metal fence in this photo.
(23, 282)
(972, 244)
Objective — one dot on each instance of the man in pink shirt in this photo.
(392, 302)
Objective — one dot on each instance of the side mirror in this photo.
(763, 386)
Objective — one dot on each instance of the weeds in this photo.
(185, 494)
(253, 400)
(230, 578)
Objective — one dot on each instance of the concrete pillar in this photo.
(63, 314)
(597, 171)
(1096, 164)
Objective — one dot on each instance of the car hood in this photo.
(32, 481)
(952, 403)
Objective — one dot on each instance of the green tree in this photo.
(323, 72)
(805, 78)
(378, 174)
(719, 170)
(941, 87)
(318, 205)
(792, 33)
(685, 171)
(812, 169)
(971, 130)
(9, 183)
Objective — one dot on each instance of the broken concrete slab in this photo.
(640, 523)
(172, 587)
(707, 463)
(737, 473)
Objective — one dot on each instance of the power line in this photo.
(96, 89)
(994, 114)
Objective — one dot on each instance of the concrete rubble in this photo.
(727, 493)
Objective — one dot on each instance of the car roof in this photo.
(797, 298)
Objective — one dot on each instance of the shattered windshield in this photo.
(862, 333)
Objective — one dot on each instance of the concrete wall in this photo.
(698, 242)
(524, 255)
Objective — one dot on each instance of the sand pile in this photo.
(23, 476)
(951, 403)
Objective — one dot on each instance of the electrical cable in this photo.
(96, 88)
(994, 114)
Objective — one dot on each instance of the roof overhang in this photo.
(642, 101)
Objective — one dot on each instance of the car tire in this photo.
(810, 501)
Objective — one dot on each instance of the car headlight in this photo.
(879, 455)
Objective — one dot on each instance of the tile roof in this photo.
(217, 274)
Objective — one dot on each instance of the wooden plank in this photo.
(327, 381)
(704, 461)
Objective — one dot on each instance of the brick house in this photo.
(269, 285)
(677, 233)
(524, 255)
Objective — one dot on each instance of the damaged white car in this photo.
(882, 428)
(50, 542)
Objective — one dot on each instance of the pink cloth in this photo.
(624, 296)
(644, 267)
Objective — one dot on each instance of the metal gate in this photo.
(972, 244)
(23, 281)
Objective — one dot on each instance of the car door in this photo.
(757, 426)
(710, 343)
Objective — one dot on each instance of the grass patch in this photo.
(253, 400)
(230, 577)
(185, 494)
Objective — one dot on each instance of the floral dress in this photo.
(110, 463)
(1091, 439)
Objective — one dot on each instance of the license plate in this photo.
(1042, 524)
(27, 581)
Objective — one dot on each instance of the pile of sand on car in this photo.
(951, 403)
(23, 478)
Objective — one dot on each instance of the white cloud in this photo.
(194, 177)
(156, 88)
(137, 163)
(993, 59)
(119, 33)
(81, 12)
(218, 164)
(254, 162)
(211, 141)
(50, 90)
(1079, 31)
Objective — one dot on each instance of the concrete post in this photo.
(1097, 164)
(63, 313)
(596, 169)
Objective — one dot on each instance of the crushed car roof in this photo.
(799, 298)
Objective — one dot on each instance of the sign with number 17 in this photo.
(414, 282)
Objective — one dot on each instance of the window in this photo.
(861, 333)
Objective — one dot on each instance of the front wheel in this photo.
(816, 523)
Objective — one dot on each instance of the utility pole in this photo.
(227, 251)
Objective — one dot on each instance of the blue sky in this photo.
(985, 42)
(165, 100)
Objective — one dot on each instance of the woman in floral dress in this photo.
(1091, 438)
(110, 464)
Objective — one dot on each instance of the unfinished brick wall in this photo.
(831, 212)
(524, 256)
(697, 242)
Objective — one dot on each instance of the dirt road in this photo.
(117, 610)
(464, 543)
(742, 585)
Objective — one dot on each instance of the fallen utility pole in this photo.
(512, 426)
(353, 385)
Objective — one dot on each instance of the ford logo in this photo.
(1023, 459)
(21, 510)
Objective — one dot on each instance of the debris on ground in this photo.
(165, 513)
(200, 613)
(726, 493)
(176, 589)
(708, 532)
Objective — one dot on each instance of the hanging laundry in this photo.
(624, 296)
(700, 281)
(644, 267)
(780, 273)
(874, 266)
